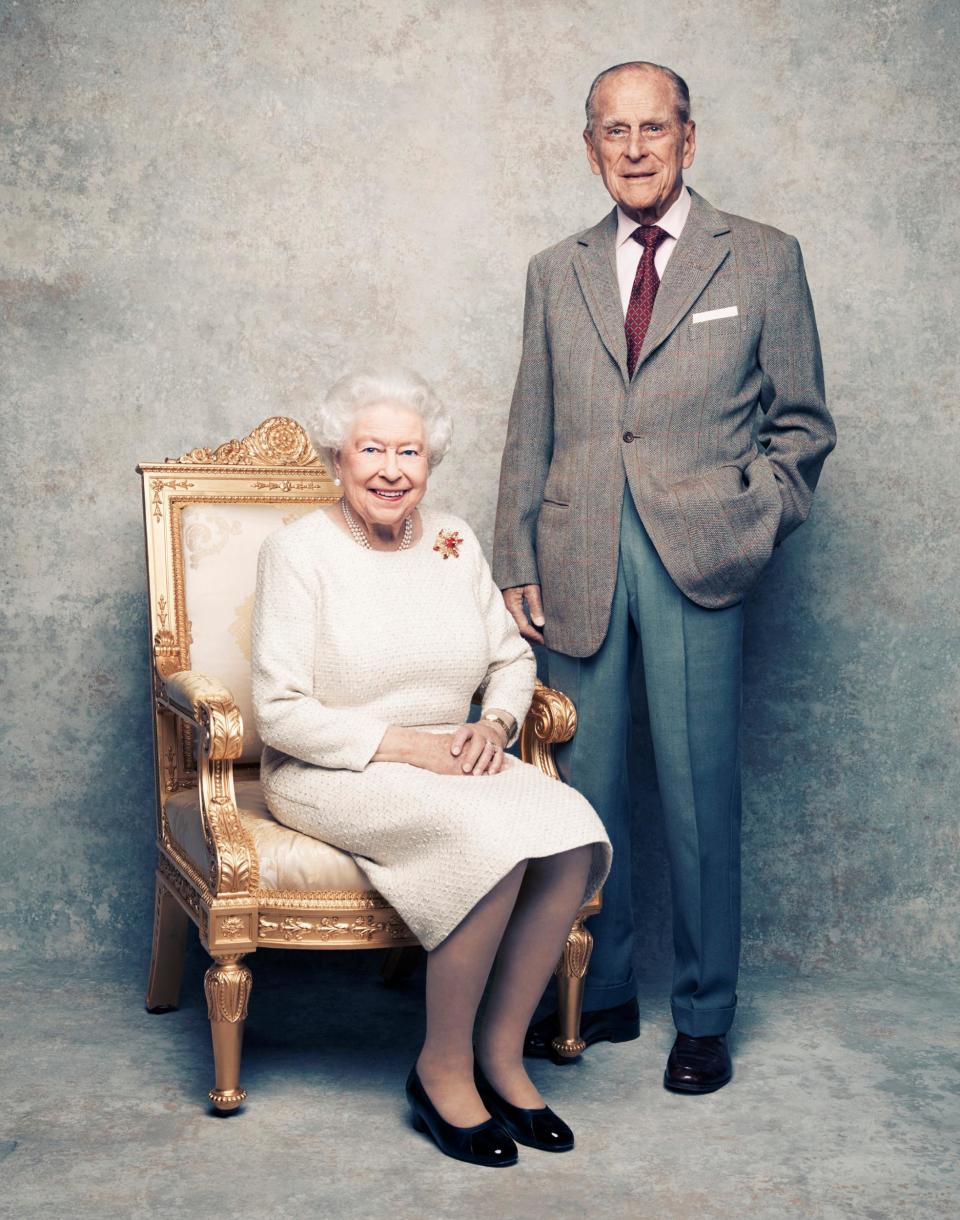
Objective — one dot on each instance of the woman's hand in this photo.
(473, 749)
(479, 747)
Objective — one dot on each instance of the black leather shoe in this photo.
(485, 1143)
(618, 1024)
(698, 1065)
(539, 1128)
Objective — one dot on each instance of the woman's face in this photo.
(383, 465)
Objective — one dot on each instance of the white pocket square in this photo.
(708, 315)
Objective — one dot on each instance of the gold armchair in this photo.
(245, 880)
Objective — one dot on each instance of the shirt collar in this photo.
(672, 221)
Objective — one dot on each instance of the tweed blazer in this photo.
(720, 433)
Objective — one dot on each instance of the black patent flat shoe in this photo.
(539, 1128)
(486, 1143)
(618, 1024)
(698, 1065)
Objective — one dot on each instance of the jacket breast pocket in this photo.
(701, 316)
(713, 327)
(710, 354)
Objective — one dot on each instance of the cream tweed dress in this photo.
(348, 641)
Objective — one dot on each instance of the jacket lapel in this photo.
(700, 249)
(595, 265)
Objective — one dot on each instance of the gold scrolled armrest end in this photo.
(207, 705)
(206, 702)
(551, 720)
(553, 715)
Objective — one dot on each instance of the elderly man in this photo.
(667, 431)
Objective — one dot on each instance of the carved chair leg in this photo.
(570, 973)
(227, 987)
(399, 964)
(169, 946)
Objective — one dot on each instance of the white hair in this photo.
(353, 393)
(681, 92)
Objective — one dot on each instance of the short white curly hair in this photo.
(356, 391)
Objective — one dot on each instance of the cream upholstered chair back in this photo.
(207, 514)
(219, 543)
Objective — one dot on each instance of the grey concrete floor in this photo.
(844, 1104)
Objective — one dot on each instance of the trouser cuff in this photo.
(593, 997)
(608, 997)
(702, 1022)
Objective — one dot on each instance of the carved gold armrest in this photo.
(208, 706)
(551, 720)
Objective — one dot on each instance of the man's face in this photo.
(638, 145)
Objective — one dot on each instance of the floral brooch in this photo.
(447, 543)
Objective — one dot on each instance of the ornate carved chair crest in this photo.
(224, 863)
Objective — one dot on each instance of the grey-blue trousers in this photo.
(692, 667)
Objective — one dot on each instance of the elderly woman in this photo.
(375, 621)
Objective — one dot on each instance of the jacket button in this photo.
(628, 437)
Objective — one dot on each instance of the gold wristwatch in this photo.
(507, 728)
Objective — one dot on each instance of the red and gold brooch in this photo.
(447, 543)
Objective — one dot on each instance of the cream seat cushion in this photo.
(288, 859)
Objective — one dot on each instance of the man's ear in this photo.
(689, 144)
(591, 151)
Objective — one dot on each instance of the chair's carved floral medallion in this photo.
(233, 927)
(278, 441)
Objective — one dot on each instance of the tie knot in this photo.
(649, 236)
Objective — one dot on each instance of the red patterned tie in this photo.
(644, 291)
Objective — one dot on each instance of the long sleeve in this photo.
(528, 448)
(289, 717)
(509, 680)
(797, 428)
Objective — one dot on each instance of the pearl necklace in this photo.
(361, 538)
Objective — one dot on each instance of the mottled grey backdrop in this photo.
(210, 210)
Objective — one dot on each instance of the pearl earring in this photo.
(336, 481)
